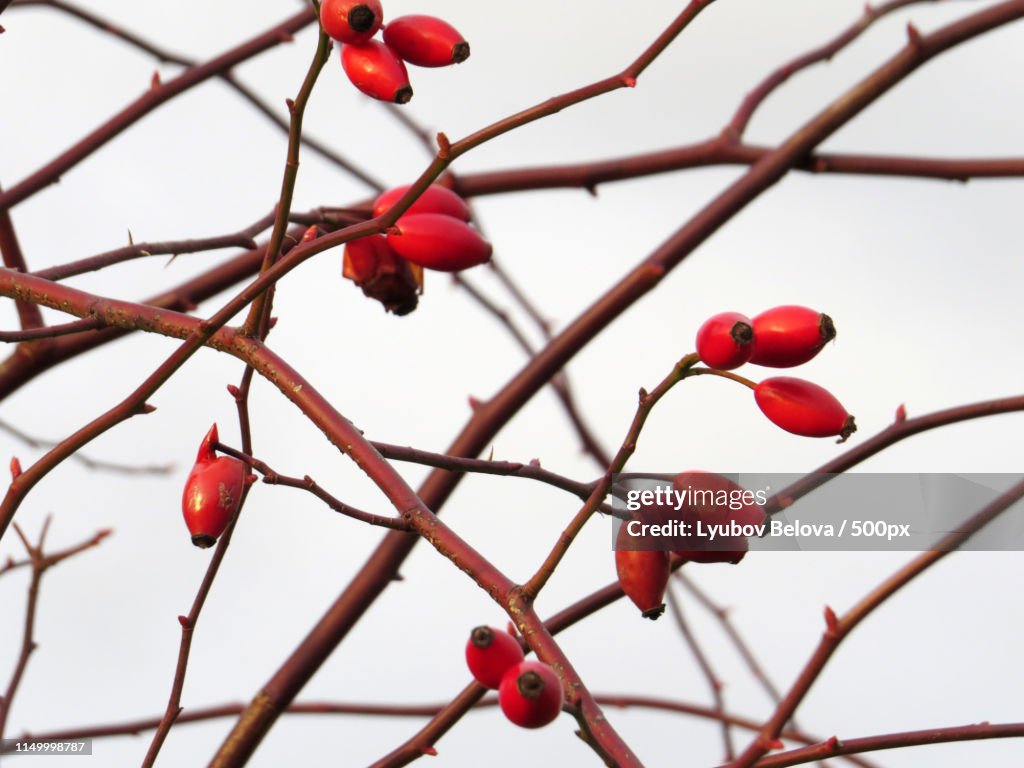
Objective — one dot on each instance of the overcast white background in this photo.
(922, 278)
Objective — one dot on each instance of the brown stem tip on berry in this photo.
(654, 613)
(361, 18)
(460, 52)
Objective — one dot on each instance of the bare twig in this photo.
(40, 563)
(714, 683)
(837, 628)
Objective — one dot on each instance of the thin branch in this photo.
(714, 683)
(40, 563)
(837, 628)
(837, 747)
(589, 175)
(29, 314)
(51, 331)
(532, 470)
(738, 125)
(150, 100)
(108, 466)
(646, 404)
(229, 77)
(741, 646)
(241, 239)
(272, 477)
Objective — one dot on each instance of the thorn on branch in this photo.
(147, 408)
(443, 146)
(154, 81)
(901, 413)
(913, 35)
(831, 623)
(833, 744)
(15, 468)
(290, 103)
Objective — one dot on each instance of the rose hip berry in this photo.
(490, 653)
(790, 335)
(213, 492)
(376, 70)
(643, 573)
(530, 694)
(382, 274)
(351, 21)
(435, 199)
(803, 408)
(714, 499)
(725, 341)
(440, 242)
(426, 41)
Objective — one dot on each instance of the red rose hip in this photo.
(725, 341)
(426, 41)
(790, 335)
(351, 21)
(377, 71)
(530, 694)
(803, 408)
(714, 499)
(643, 576)
(440, 242)
(435, 199)
(213, 492)
(490, 653)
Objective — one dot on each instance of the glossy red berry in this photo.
(490, 653)
(714, 499)
(351, 21)
(440, 242)
(382, 274)
(426, 41)
(725, 341)
(803, 408)
(530, 694)
(213, 492)
(790, 335)
(643, 573)
(377, 71)
(435, 199)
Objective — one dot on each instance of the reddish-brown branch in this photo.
(838, 747)
(588, 175)
(741, 646)
(646, 404)
(40, 562)
(149, 101)
(705, 667)
(272, 477)
(895, 432)
(29, 314)
(85, 460)
(838, 629)
(241, 239)
(532, 471)
(188, 626)
(738, 125)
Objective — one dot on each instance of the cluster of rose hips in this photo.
(377, 68)
(643, 562)
(529, 692)
(781, 337)
(213, 492)
(434, 233)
